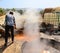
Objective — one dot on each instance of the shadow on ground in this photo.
(55, 44)
(2, 47)
(52, 43)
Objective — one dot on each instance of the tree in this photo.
(20, 11)
(7, 10)
(42, 13)
(2, 11)
(13, 9)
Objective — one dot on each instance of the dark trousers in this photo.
(7, 30)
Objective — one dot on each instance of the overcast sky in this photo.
(29, 3)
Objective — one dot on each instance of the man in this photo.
(9, 27)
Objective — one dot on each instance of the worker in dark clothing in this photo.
(9, 27)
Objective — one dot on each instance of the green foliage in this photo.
(42, 13)
(13, 9)
(20, 11)
(2, 11)
(7, 10)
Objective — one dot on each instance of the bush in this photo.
(2, 11)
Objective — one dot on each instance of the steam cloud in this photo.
(31, 30)
(31, 21)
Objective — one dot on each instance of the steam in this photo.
(31, 30)
(19, 20)
(31, 23)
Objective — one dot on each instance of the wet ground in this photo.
(21, 41)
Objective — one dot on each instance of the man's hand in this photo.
(14, 26)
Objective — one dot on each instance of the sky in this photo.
(29, 3)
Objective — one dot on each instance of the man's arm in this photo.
(14, 22)
(5, 20)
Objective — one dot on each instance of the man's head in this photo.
(11, 13)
